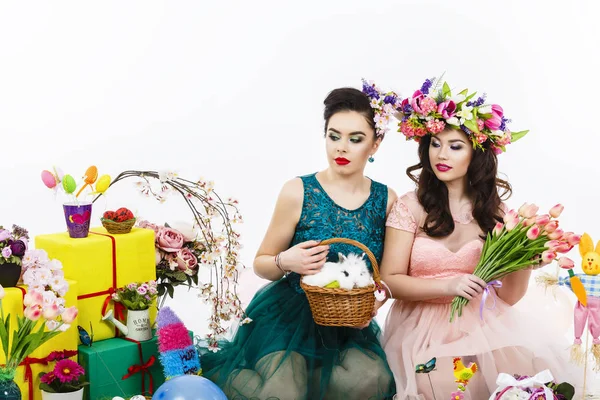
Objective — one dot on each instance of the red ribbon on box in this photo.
(142, 367)
(53, 356)
(118, 307)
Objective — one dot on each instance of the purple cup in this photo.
(77, 217)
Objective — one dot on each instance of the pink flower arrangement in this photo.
(178, 254)
(433, 108)
(137, 296)
(383, 104)
(43, 302)
(13, 244)
(67, 376)
(524, 239)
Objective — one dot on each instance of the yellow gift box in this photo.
(12, 304)
(101, 263)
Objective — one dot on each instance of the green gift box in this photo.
(119, 367)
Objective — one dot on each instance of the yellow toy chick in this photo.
(462, 373)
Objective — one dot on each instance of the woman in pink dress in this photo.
(433, 242)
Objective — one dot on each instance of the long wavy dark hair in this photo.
(485, 190)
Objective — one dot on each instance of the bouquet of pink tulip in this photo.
(44, 316)
(525, 239)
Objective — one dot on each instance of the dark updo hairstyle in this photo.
(483, 190)
(348, 99)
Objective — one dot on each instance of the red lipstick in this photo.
(443, 167)
(342, 161)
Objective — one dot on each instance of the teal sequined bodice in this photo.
(322, 219)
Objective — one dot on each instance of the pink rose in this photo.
(149, 225)
(447, 109)
(186, 260)
(169, 240)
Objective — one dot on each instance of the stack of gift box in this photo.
(95, 266)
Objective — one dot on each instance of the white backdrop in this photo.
(233, 91)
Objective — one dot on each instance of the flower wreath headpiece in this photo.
(432, 108)
(384, 105)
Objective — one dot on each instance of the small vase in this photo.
(138, 325)
(77, 217)
(9, 274)
(9, 390)
(78, 395)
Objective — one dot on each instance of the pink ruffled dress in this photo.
(507, 339)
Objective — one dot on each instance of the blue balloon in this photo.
(189, 387)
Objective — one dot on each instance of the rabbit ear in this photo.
(363, 255)
(586, 244)
(341, 257)
(597, 249)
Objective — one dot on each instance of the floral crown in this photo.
(433, 107)
(384, 105)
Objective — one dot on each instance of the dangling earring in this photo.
(371, 159)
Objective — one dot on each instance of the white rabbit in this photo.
(358, 272)
(349, 272)
(329, 273)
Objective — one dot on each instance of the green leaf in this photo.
(4, 332)
(180, 276)
(566, 389)
(517, 135)
(469, 97)
(47, 388)
(446, 90)
(464, 92)
(171, 291)
(161, 290)
(472, 125)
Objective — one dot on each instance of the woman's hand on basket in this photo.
(306, 258)
(468, 286)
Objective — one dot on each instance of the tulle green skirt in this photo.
(283, 354)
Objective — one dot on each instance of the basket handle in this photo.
(364, 248)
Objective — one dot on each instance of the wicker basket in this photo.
(117, 227)
(341, 307)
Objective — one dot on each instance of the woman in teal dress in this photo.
(282, 353)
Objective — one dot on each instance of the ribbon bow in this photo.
(143, 369)
(505, 381)
(487, 292)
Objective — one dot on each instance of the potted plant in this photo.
(137, 299)
(64, 382)
(13, 244)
